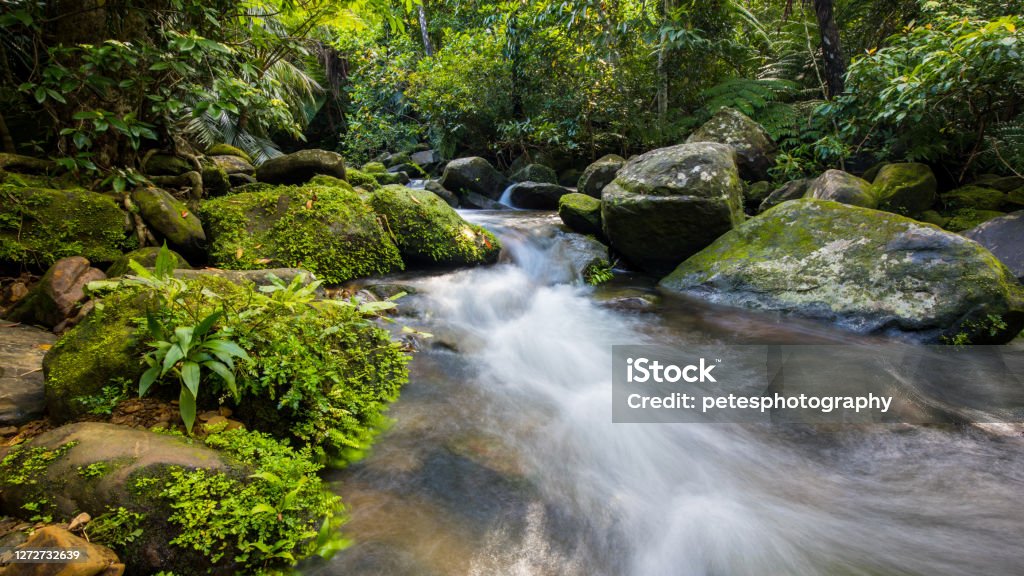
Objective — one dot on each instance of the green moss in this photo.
(389, 178)
(581, 213)
(215, 181)
(228, 150)
(967, 218)
(362, 179)
(428, 231)
(330, 182)
(25, 469)
(327, 230)
(39, 226)
(974, 197)
(374, 168)
(146, 257)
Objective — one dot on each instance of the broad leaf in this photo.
(174, 354)
(147, 379)
(187, 407)
(190, 376)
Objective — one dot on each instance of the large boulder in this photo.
(755, 151)
(474, 174)
(792, 190)
(581, 213)
(842, 187)
(300, 167)
(429, 232)
(668, 204)
(599, 174)
(171, 219)
(22, 392)
(870, 271)
(328, 230)
(58, 294)
(145, 256)
(536, 195)
(228, 150)
(1004, 237)
(906, 188)
(39, 226)
(535, 173)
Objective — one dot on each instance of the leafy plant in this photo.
(116, 528)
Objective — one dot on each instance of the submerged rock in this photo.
(58, 294)
(668, 204)
(870, 271)
(755, 151)
(844, 188)
(299, 167)
(581, 213)
(1004, 237)
(599, 174)
(536, 195)
(171, 219)
(474, 174)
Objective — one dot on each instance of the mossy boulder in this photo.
(1001, 183)
(166, 165)
(839, 186)
(39, 226)
(25, 164)
(328, 230)
(535, 173)
(792, 190)
(670, 203)
(967, 218)
(228, 150)
(429, 232)
(216, 181)
(474, 174)
(100, 350)
(374, 168)
(171, 219)
(581, 213)
(755, 194)
(906, 188)
(362, 179)
(390, 178)
(933, 217)
(145, 256)
(869, 271)
(599, 174)
(233, 165)
(974, 197)
(755, 151)
(299, 167)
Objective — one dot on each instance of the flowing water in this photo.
(503, 459)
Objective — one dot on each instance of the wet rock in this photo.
(299, 167)
(22, 395)
(792, 190)
(1004, 237)
(839, 186)
(58, 294)
(474, 175)
(145, 256)
(869, 271)
(906, 188)
(171, 220)
(233, 165)
(95, 560)
(535, 173)
(536, 195)
(581, 213)
(755, 151)
(668, 204)
(445, 194)
(599, 174)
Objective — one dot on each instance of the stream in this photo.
(503, 458)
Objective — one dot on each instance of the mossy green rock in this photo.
(101, 349)
(967, 218)
(599, 174)
(374, 168)
(474, 174)
(166, 165)
(670, 203)
(1001, 183)
(933, 217)
(171, 219)
(299, 167)
(145, 256)
(974, 197)
(906, 188)
(228, 150)
(430, 232)
(535, 173)
(328, 230)
(215, 180)
(581, 213)
(869, 271)
(839, 186)
(389, 178)
(755, 151)
(362, 179)
(39, 226)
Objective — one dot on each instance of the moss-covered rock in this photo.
(668, 204)
(429, 232)
(325, 229)
(755, 151)
(166, 165)
(374, 168)
(755, 194)
(25, 164)
(39, 226)
(870, 271)
(146, 257)
(839, 186)
(445, 194)
(599, 174)
(967, 218)
(171, 219)
(474, 174)
(215, 180)
(299, 167)
(390, 178)
(101, 349)
(228, 150)
(233, 165)
(933, 217)
(1001, 183)
(974, 197)
(581, 213)
(905, 188)
(362, 179)
(535, 173)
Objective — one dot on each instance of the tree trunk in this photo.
(832, 51)
(428, 48)
(662, 69)
(5, 137)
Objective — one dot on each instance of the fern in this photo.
(1004, 147)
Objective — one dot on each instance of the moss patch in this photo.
(361, 179)
(974, 197)
(228, 150)
(146, 257)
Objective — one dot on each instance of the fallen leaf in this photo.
(184, 213)
(309, 204)
(238, 254)
(263, 261)
(44, 346)
(79, 521)
(413, 198)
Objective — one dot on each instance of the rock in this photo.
(391, 178)
(1016, 197)
(25, 164)
(387, 290)
(844, 188)
(58, 294)
(974, 197)
(299, 167)
(933, 217)
(95, 560)
(328, 230)
(599, 174)
(395, 159)
(166, 165)
(906, 188)
(670, 203)
(581, 213)
(536, 195)
(426, 159)
(569, 177)
(535, 173)
(1003, 237)
(583, 252)
(355, 178)
(146, 257)
(792, 190)
(233, 165)
(474, 200)
(237, 180)
(42, 226)
(1001, 183)
(429, 232)
(967, 218)
(242, 277)
(871, 272)
(474, 174)
(445, 194)
(228, 150)
(755, 151)
(102, 348)
(216, 181)
(374, 168)
(22, 396)
(871, 173)
(171, 220)
(410, 170)
(755, 194)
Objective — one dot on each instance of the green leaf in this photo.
(40, 94)
(165, 262)
(187, 408)
(263, 508)
(226, 374)
(147, 379)
(268, 476)
(174, 353)
(190, 376)
(206, 324)
(183, 336)
(227, 348)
